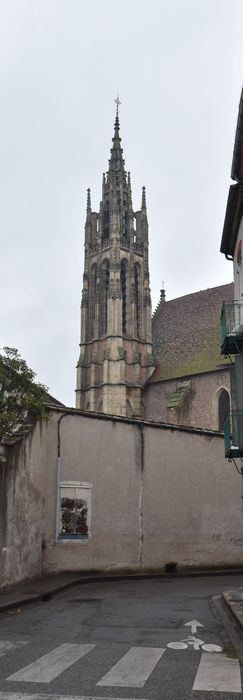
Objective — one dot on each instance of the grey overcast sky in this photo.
(177, 65)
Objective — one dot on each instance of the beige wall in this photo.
(158, 495)
(191, 501)
(105, 454)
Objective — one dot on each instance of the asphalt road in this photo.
(124, 639)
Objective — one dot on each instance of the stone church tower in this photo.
(116, 339)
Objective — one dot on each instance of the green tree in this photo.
(22, 400)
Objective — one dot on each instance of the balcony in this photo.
(231, 328)
(233, 434)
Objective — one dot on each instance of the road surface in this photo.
(160, 639)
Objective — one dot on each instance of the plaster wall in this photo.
(107, 455)
(159, 494)
(191, 501)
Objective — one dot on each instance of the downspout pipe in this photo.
(141, 533)
(58, 474)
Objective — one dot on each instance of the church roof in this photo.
(186, 335)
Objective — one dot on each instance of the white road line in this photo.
(42, 696)
(49, 666)
(218, 672)
(10, 646)
(134, 668)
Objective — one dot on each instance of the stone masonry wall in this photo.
(201, 405)
(23, 508)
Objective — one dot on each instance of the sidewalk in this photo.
(46, 586)
(234, 602)
(38, 589)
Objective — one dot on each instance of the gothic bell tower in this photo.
(116, 338)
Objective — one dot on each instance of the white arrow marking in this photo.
(193, 624)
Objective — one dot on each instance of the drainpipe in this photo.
(58, 473)
(141, 533)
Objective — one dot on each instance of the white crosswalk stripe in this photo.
(216, 672)
(219, 673)
(49, 666)
(9, 646)
(134, 668)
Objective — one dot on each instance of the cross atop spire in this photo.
(118, 103)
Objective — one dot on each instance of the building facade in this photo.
(116, 337)
(232, 313)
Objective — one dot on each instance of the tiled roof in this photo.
(186, 338)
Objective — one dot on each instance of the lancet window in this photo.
(125, 221)
(124, 294)
(92, 299)
(223, 407)
(106, 221)
(105, 281)
(136, 298)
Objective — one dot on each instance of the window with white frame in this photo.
(75, 506)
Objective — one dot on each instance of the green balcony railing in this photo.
(233, 434)
(231, 327)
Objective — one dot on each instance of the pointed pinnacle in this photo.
(129, 190)
(143, 199)
(103, 186)
(162, 292)
(88, 200)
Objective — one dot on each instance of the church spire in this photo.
(116, 171)
(116, 337)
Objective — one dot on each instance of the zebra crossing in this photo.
(133, 670)
(215, 672)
